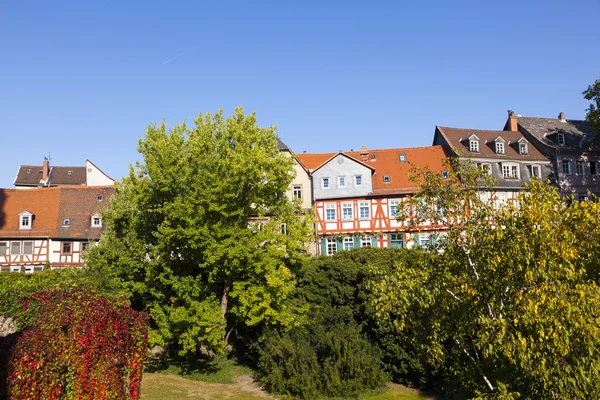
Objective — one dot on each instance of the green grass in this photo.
(219, 370)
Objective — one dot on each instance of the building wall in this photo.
(302, 180)
(341, 166)
(95, 177)
(44, 251)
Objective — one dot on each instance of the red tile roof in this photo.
(50, 206)
(387, 162)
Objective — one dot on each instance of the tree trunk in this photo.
(225, 299)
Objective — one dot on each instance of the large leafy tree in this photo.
(510, 305)
(196, 231)
(593, 112)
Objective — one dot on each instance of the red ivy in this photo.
(81, 346)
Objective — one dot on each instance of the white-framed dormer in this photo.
(560, 139)
(523, 146)
(25, 220)
(474, 143)
(510, 170)
(96, 221)
(499, 143)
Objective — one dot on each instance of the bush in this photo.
(80, 345)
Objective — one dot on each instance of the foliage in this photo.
(195, 232)
(14, 287)
(510, 305)
(593, 112)
(326, 359)
(80, 345)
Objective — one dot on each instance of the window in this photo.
(347, 211)
(96, 221)
(348, 243)
(444, 174)
(99, 197)
(580, 169)
(324, 183)
(341, 181)
(365, 241)
(29, 269)
(66, 248)
(486, 167)
(566, 167)
(474, 146)
(358, 180)
(66, 222)
(402, 157)
(85, 246)
(561, 139)
(396, 240)
(514, 172)
(15, 268)
(3, 248)
(15, 248)
(581, 197)
(363, 210)
(69, 172)
(499, 148)
(593, 168)
(297, 192)
(25, 219)
(330, 212)
(394, 211)
(506, 171)
(387, 178)
(28, 248)
(29, 170)
(331, 246)
(523, 148)
(535, 171)
(424, 240)
(283, 228)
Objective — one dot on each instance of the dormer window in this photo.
(474, 145)
(387, 178)
(99, 197)
(402, 157)
(25, 220)
(69, 172)
(66, 222)
(96, 221)
(499, 148)
(561, 139)
(29, 170)
(523, 148)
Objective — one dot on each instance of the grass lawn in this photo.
(164, 386)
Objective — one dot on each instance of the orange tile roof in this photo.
(50, 206)
(387, 162)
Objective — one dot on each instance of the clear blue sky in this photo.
(83, 79)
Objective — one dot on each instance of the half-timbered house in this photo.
(358, 195)
(49, 227)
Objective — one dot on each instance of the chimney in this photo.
(512, 121)
(45, 170)
(562, 117)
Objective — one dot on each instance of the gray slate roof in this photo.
(282, 146)
(579, 135)
(57, 176)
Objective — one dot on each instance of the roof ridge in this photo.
(479, 130)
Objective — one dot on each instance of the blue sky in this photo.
(82, 80)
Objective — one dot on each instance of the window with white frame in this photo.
(283, 228)
(324, 183)
(15, 248)
(499, 148)
(347, 211)
(523, 148)
(396, 240)
(331, 246)
(29, 269)
(341, 181)
(387, 178)
(297, 192)
(357, 180)
(15, 268)
(3, 248)
(394, 210)
(424, 239)
(25, 220)
(96, 221)
(330, 212)
(363, 210)
(365, 241)
(485, 167)
(348, 243)
(580, 170)
(28, 247)
(566, 167)
(581, 197)
(561, 139)
(474, 145)
(536, 171)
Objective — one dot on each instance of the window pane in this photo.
(3, 248)
(15, 247)
(28, 247)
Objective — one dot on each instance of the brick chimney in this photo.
(45, 168)
(561, 117)
(512, 121)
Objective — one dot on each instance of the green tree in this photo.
(593, 112)
(510, 305)
(195, 231)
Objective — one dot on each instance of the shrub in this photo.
(80, 345)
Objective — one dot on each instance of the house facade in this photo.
(358, 195)
(301, 187)
(34, 176)
(49, 226)
(572, 147)
(506, 155)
